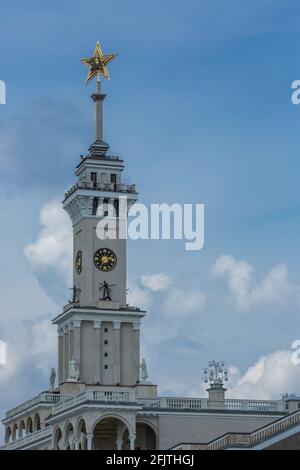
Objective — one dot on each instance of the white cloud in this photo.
(181, 302)
(156, 282)
(275, 288)
(139, 297)
(268, 378)
(50, 257)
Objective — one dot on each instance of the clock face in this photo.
(79, 262)
(105, 259)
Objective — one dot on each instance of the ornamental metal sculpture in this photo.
(215, 374)
(106, 295)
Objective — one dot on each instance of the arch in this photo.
(8, 435)
(112, 416)
(69, 436)
(15, 432)
(22, 429)
(36, 422)
(146, 436)
(80, 428)
(57, 439)
(108, 431)
(29, 425)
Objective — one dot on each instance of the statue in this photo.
(52, 379)
(75, 296)
(106, 290)
(144, 372)
(73, 370)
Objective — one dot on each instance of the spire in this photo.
(97, 67)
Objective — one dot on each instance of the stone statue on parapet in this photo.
(52, 379)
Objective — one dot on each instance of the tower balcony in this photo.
(104, 187)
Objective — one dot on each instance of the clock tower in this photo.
(98, 331)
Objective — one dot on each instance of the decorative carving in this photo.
(215, 374)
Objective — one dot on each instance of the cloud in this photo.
(50, 256)
(268, 378)
(156, 282)
(276, 288)
(181, 302)
(29, 359)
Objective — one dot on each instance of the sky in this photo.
(199, 107)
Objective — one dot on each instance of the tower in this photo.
(98, 332)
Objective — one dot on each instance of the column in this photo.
(77, 442)
(89, 438)
(66, 351)
(136, 359)
(76, 341)
(117, 358)
(71, 337)
(60, 333)
(97, 351)
(132, 441)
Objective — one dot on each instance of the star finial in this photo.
(97, 64)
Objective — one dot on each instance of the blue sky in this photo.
(199, 106)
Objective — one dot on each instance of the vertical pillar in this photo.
(117, 358)
(76, 342)
(61, 359)
(71, 337)
(89, 438)
(66, 351)
(132, 441)
(97, 351)
(136, 352)
(77, 442)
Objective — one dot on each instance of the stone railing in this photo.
(28, 438)
(249, 440)
(44, 397)
(120, 188)
(253, 406)
(274, 428)
(95, 396)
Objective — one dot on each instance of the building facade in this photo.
(103, 399)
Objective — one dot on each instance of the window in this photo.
(106, 342)
(113, 178)
(105, 330)
(94, 179)
(105, 354)
(106, 366)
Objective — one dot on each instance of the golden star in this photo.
(97, 64)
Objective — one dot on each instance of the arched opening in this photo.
(7, 435)
(22, 429)
(69, 437)
(36, 422)
(58, 439)
(80, 434)
(15, 432)
(145, 437)
(108, 434)
(29, 425)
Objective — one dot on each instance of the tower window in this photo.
(94, 179)
(105, 330)
(95, 206)
(113, 178)
(106, 366)
(105, 354)
(106, 342)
